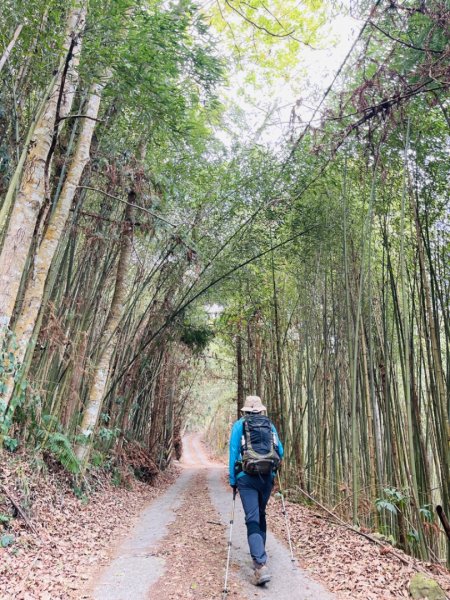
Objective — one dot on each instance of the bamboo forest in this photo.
(203, 202)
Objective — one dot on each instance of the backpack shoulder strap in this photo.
(274, 435)
(247, 437)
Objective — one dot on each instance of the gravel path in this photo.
(136, 573)
(136, 566)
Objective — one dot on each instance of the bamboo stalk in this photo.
(6, 54)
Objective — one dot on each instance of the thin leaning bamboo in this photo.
(6, 54)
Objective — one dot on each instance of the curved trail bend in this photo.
(144, 568)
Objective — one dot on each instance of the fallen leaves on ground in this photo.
(351, 566)
(195, 552)
(69, 536)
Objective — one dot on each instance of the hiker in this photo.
(255, 454)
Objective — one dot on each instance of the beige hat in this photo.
(253, 404)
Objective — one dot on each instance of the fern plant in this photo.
(50, 438)
(59, 445)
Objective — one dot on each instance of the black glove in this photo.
(234, 488)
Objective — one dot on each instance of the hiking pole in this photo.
(225, 589)
(286, 520)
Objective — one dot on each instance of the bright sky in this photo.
(268, 108)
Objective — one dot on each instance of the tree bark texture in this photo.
(31, 191)
(26, 320)
(107, 343)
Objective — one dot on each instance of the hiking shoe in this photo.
(261, 575)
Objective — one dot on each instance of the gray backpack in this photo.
(258, 448)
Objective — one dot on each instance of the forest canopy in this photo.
(137, 188)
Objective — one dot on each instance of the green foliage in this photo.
(426, 512)
(165, 72)
(9, 367)
(80, 493)
(116, 477)
(382, 504)
(392, 501)
(108, 435)
(196, 337)
(395, 495)
(10, 443)
(6, 540)
(50, 437)
(97, 459)
(269, 38)
(413, 536)
(82, 439)
(4, 519)
(61, 448)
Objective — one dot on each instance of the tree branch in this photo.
(255, 25)
(394, 39)
(80, 117)
(87, 187)
(405, 561)
(10, 47)
(187, 303)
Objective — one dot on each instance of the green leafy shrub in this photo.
(59, 445)
(116, 477)
(9, 368)
(6, 540)
(97, 459)
(392, 500)
(426, 512)
(4, 519)
(11, 444)
(108, 435)
(50, 438)
(196, 337)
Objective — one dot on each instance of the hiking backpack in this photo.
(259, 454)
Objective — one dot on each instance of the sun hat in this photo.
(253, 404)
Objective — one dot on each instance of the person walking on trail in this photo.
(255, 455)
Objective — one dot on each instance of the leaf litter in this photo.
(351, 566)
(62, 538)
(195, 552)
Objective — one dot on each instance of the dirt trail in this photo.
(178, 547)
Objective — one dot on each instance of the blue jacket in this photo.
(235, 448)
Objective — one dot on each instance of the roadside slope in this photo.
(64, 537)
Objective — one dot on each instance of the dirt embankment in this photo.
(352, 567)
(59, 539)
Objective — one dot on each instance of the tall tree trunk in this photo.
(258, 355)
(32, 190)
(107, 343)
(372, 470)
(279, 387)
(442, 423)
(26, 321)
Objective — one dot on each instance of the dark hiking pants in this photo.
(254, 491)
